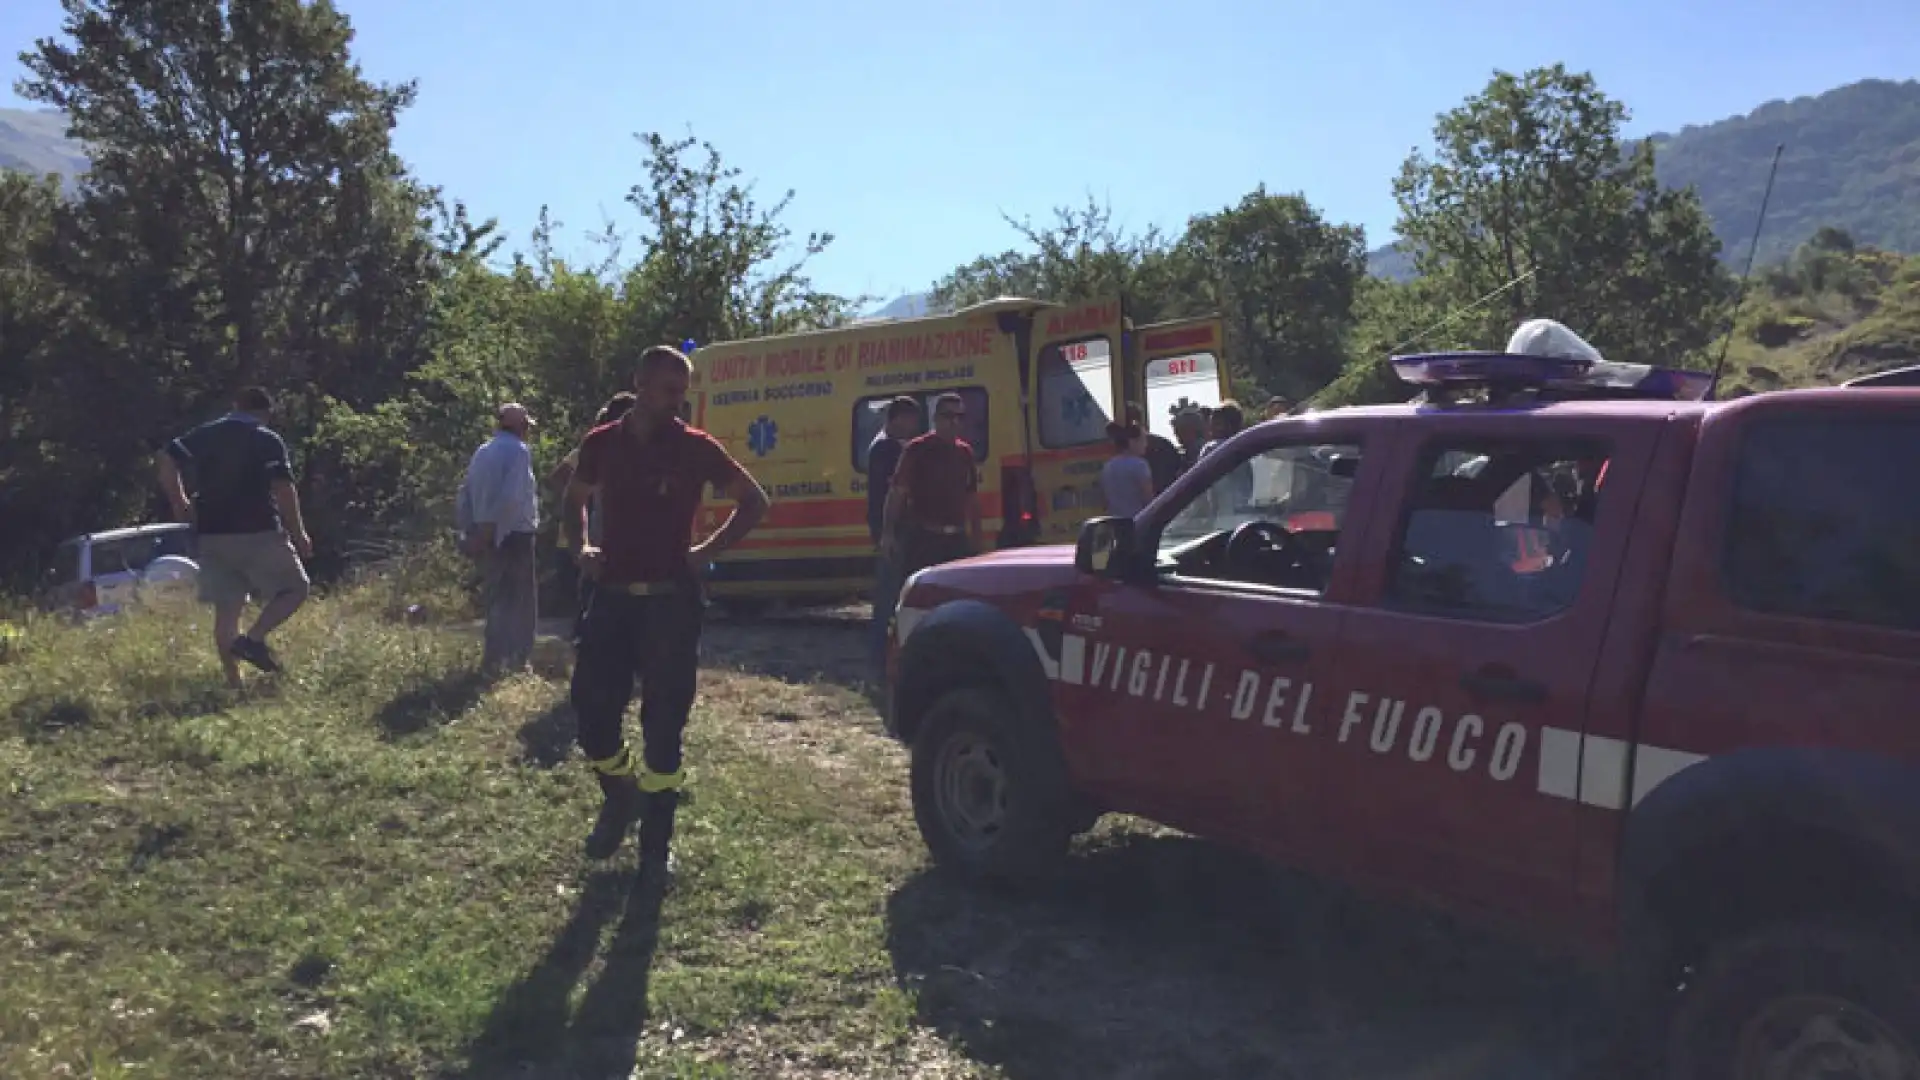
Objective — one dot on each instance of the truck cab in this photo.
(1563, 646)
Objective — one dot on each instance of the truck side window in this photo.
(1823, 523)
(1497, 532)
(109, 559)
(1300, 491)
(1076, 393)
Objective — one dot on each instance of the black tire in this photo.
(990, 791)
(1801, 999)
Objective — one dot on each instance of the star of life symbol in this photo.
(1077, 408)
(762, 435)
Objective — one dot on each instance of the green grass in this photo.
(369, 868)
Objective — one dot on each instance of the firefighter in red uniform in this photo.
(650, 470)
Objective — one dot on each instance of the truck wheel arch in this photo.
(1762, 834)
(959, 643)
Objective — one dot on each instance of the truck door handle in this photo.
(1497, 682)
(1275, 647)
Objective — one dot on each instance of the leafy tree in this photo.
(1529, 182)
(1285, 281)
(1390, 317)
(1281, 277)
(33, 312)
(241, 147)
(1084, 252)
(716, 264)
(244, 220)
(712, 264)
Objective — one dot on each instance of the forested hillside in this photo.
(34, 140)
(1852, 161)
(1833, 310)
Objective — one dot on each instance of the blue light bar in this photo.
(1553, 373)
(688, 346)
(1440, 369)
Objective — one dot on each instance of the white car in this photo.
(103, 573)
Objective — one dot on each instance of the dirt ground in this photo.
(1162, 956)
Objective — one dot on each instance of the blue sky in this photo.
(907, 129)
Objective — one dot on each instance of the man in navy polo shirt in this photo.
(643, 618)
(231, 478)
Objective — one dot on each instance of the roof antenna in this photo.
(1457, 312)
(1741, 296)
(1307, 404)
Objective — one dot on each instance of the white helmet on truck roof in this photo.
(1545, 337)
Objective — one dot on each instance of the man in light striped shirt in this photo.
(500, 509)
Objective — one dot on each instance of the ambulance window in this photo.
(870, 416)
(1822, 524)
(1076, 393)
(1176, 383)
(1497, 531)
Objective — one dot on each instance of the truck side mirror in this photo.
(1106, 548)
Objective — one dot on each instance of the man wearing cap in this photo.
(500, 508)
(643, 617)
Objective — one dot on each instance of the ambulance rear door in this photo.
(1181, 365)
(1076, 392)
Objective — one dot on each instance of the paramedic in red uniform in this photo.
(642, 619)
(932, 513)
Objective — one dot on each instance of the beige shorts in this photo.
(235, 566)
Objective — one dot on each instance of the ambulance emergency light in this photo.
(1550, 376)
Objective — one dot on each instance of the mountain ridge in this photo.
(1851, 160)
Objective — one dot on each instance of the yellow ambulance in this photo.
(1040, 381)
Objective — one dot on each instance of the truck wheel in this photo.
(989, 792)
(1802, 1000)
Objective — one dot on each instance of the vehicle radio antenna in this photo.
(1457, 312)
(1422, 335)
(1753, 248)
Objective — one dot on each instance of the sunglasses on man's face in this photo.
(949, 414)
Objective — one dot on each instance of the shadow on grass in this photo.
(1172, 957)
(547, 739)
(200, 701)
(530, 1027)
(156, 842)
(431, 704)
(44, 717)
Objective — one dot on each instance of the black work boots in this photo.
(617, 814)
(624, 805)
(656, 837)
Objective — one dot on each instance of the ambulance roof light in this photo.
(1549, 377)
